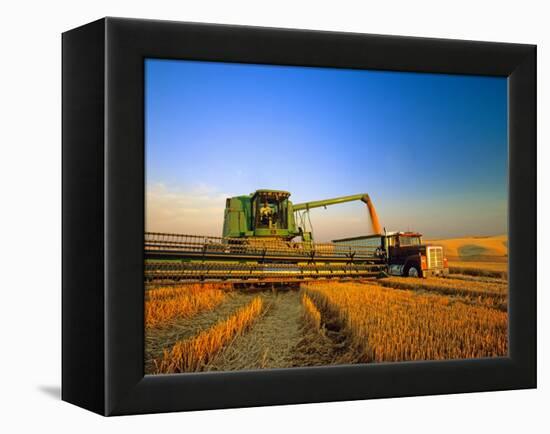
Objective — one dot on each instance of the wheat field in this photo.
(386, 325)
(192, 328)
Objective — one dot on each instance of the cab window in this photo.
(269, 212)
(409, 241)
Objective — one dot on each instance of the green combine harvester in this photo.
(270, 215)
(259, 245)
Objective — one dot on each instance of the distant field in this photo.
(494, 249)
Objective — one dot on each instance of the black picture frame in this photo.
(103, 216)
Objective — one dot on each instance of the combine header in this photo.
(258, 246)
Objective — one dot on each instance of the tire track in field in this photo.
(271, 341)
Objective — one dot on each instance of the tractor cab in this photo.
(408, 256)
(404, 250)
(264, 214)
(269, 209)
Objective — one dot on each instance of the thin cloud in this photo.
(198, 210)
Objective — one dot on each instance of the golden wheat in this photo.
(389, 325)
(167, 303)
(311, 313)
(193, 354)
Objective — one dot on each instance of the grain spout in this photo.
(376, 228)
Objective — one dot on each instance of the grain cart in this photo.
(404, 253)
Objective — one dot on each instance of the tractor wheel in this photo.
(412, 270)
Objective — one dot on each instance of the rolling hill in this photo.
(492, 248)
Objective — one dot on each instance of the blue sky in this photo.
(430, 149)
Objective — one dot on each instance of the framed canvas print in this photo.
(257, 216)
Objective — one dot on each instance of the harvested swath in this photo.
(485, 293)
(390, 325)
(484, 269)
(168, 303)
(164, 336)
(193, 354)
(470, 278)
(445, 285)
(312, 315)
(167, 292)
